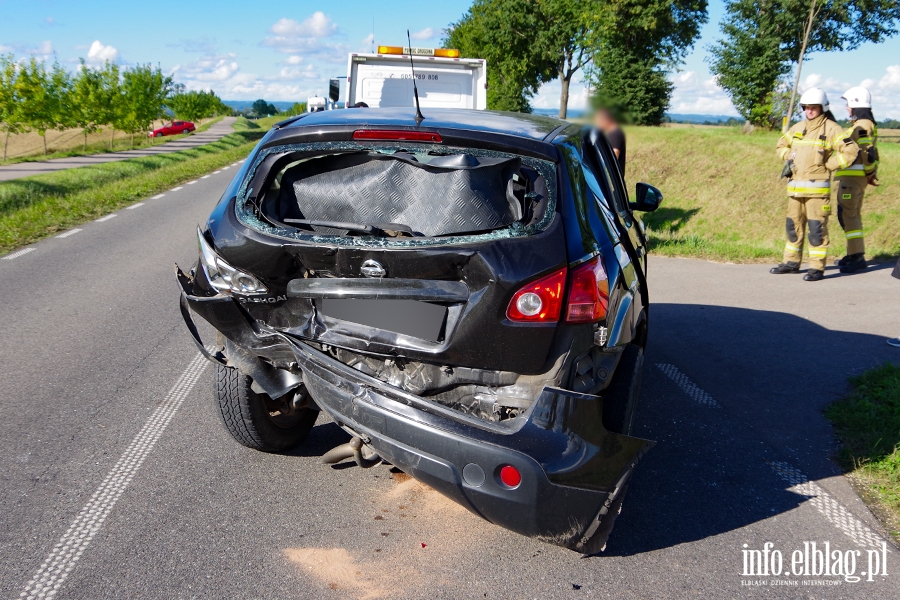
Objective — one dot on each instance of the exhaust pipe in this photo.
(352, 449)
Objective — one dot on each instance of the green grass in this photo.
(725, 200)
(867, 423)
(39, 206)
(121, 142)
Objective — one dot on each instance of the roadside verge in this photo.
(36, 207)
(867, 423)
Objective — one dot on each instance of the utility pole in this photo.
(809, 23)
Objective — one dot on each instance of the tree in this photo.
(10, 118)
(145, 90)
(639, 43)
(195, 105)
(87, 108)
(110, 102)
(508, 34)
(786, 31)
(260, 108)
(34, 91)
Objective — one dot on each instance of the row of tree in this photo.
(35, 97)
(764, 39)
(625, 49)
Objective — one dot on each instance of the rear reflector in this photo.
(397, 134)
(588, 293)
(540, 301)
(510, 476)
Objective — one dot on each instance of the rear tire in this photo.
(620, 399)
(257, 421)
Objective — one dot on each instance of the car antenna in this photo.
(419, 117)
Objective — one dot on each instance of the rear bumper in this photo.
(572, 469)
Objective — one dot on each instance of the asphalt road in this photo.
(27, 169)
(119, 482)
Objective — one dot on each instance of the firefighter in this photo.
(851, 182)
(812, 149)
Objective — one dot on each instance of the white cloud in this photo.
(318, 25)
(366, 44)
(426, 34)
(307, 39)
(694, 94)
(885, 93)
(207, 69)
(294, 60)
(307, 72)
(99, 53)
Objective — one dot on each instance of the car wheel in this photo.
(620, 399)
(257, 421)
(159, 134)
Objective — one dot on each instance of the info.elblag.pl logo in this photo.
(813, 561)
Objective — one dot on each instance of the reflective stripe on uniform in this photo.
(788, 247)
(809, 187)
(864, 140)
(784, 151)
(818, 252)
(854, 234)
(856, 170)
(819, 143)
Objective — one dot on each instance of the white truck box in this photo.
(383, 80)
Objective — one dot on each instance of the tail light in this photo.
(588, 293)
(540, 301)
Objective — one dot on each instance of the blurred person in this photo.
(360, 105)
(605, 121)
(851, 182)
(812, 149)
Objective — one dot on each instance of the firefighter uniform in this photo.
(816, 148)
(851, 184)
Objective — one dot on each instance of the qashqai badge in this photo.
(372, 268)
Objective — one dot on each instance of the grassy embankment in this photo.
(28, 147)
(868, 425)
(42, 205)
(725, 200)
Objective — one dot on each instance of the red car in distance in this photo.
(173, 128)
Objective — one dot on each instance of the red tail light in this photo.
(510, 476)
(588, 293)
(540, 301)
(397, 134)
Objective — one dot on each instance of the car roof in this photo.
(534, 127)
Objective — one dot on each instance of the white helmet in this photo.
(815, 96)
(858, 97)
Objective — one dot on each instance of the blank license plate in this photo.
(409, 317)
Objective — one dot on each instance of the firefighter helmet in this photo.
(858, 97)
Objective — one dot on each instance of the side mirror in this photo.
(648, 198)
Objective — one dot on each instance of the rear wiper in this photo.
(387, 228)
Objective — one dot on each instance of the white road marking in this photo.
(826, 504)
(157, 197)
(68, 233)
(106, 218)
(205, 177)
(192, 182)
(61, 560)
(228, 167)
(217, 172)
(690, 388)
(177, 188)
(133, 206)
(17, 253)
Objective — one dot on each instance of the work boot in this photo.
(843, 261)
(788, 267)
(855, 262)
(814, 275)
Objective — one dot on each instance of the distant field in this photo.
(725, 200)
(68, 142)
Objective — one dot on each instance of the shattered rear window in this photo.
(395, 194)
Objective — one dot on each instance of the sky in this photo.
(245, 51)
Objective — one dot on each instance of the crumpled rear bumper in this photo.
(572, 469)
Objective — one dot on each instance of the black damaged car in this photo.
(465, 296)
